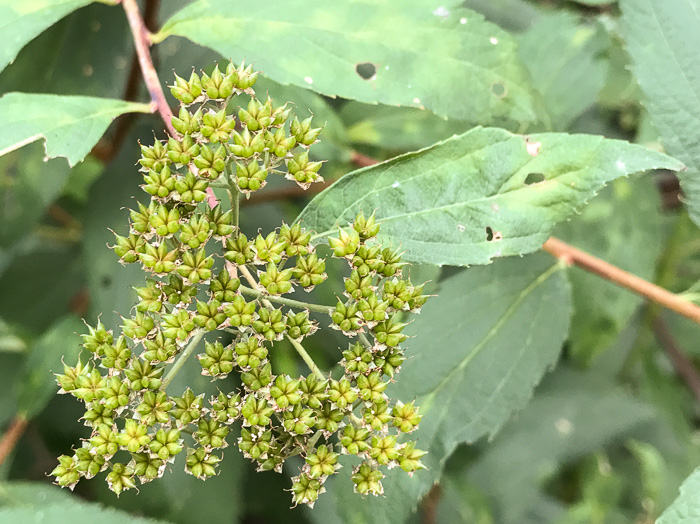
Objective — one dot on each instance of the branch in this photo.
(573, 256)
(142, 42)
(683, 366)
(11, 437)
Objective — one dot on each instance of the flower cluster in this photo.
(237, 290)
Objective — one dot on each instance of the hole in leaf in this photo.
(534, 178)
(366, 70)
(499, 90)
(489, 234)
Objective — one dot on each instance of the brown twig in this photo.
(142, 42)
(683, 366)
(11, 437)
(573, 256)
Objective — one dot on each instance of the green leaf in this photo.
(686, 508)
(69, 513)
(566, 61)
(29, 185)
(71, 125)
(38, 385)
(13, 494)
(555, 428)
(594, 3)
(622, 226)
(478, 351)
(9, 341)
(398, 128)
(475, 196)
(93, 57)
(407, 52)
(663, 39)
(22, 21)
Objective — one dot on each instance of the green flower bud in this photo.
(346, 244)
(154, 157)
(270, 325)
(66, 473)
(302, 171)
(255, 445)
(166, 443)
(209, 315)
(201, 464)
(154, 408)
(249, 177)
(223, 288)
(303, 133)
(115, 393)
(143, 375)
(129, 249)
(165, 221)
(250, 353)
(159, 184)
(216, 361)
(98, 414)
(279, 144)
(151, 297)
(138, 326)
(310, 271)
(246, 144)
(372, 309)
(192, 189)
(405, 417)
(306, 490)
(159, 349)
(409, 459)
(240, 312)
(328, 418)
(210, 163)
(389, 333)
(146, 467)
(296, 240)
(377, 415)
(226, 408)
(188, 408)
(256, 411)
(257, 378)
(120, 478)
(357, 359)
(177, 325)
(366, 227)
(158, 259)
(285, 392)
(367, 480)
(358, 287)
(313, 391)
(211, 434)
(187, 91)
(371, 387)
(384, 450)
(182, 152)
(117, 355)
(187, 123)
(177, 292)
(141, 219)
(342, 393)
(196, 267)
(354, 440)
(275, 282)
(104, 442)
(322, 463)
(134, 436)
(345, 318)
(220, 223)
(239, 250)
(298, 325)
(268, 249)
(217, 127)
(97, 339)
(87, 463)
(298, 420)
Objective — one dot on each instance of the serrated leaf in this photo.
(686, 508)
(407, 52)
(479, 349)
(663, 39)
(472, 197)
(71, 125)
(38, 384)
(22, 21)
(566, 62)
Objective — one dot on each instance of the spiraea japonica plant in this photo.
(203, 277)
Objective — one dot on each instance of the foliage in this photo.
(336, 320)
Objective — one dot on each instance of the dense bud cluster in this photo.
(204, 275)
